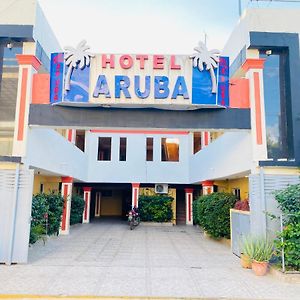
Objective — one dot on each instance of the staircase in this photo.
(180, 208)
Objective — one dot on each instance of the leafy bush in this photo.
(77, 207)
(212, 212)
(289, 201)
(45, 206)
(242, 205)
(156, 208)
(290, 244)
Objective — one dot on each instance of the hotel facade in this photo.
(119, 126)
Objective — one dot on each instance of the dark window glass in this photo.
(123, 146)
(80, 139)
(104, 148)
(149, 151)
(169, 149)
(197, 142)
(277, 113)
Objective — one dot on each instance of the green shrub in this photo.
(289, 201)
(77, 207)
(156, 208)
(43, 206)
(290, 244)
(212, 212)
(55, 205)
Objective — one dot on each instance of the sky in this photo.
(146, 26)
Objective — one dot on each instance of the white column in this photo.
(87, 203)
(189, 206)
(207, 187)
(135, 194)
(66, 191)
(28, 66)
(98, 204)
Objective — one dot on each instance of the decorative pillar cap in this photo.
(87, 188)
(189, 190)
(207, 183)
(135, 185)
(253, 63)
(67, 179)
(26, 59)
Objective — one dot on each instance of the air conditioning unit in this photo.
(161, 188)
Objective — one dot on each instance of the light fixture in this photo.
(268, 52)
(9, 45)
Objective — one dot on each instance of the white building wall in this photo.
(229, 155)
(263, 20)
(48, 150)
(136, 168)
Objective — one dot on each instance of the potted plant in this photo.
(263, 251)
(247, 251)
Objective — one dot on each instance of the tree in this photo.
(208, 60)
(75, 56)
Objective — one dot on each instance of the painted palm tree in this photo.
(208, 60)
(75, 56)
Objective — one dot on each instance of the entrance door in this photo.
(180, 207)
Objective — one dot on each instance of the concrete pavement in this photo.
(107, 259)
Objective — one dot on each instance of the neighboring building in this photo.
(112, 154)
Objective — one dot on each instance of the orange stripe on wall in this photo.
(70, 134)
(22, 106)
(257, 109)
(140, 131)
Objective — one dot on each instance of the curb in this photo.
(285, 277)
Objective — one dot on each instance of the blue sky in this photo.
(145, 26)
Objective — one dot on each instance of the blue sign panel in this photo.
(57, 77)
(79, 85)
(223, 84)
(202, 87)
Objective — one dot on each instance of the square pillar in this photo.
(66, 191)
(207, 187)
(87, 203)
(253, 68)
(135, 195)
(189, 206)
(28, 66)
(98, 204)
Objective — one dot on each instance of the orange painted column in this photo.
(207, 187)
(28, 66)
(66, 192)
(135, 194)
(253, 68)
(189, 206)
(87, 203)
(71, 135)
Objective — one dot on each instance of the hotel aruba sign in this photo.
(80, 78)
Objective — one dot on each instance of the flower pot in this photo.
(246, 261)
(260, 268)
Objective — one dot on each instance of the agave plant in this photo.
(75, 56)
(208, 60)
(258, 248)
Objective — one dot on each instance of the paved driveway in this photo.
(106, 258)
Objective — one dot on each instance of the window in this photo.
(80, 137)
(169, 149)
(197, 142)
(122, 150)
(104, 148)
(237, 193)
(277, 108)
(149, 149)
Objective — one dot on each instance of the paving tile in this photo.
(106, 258)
